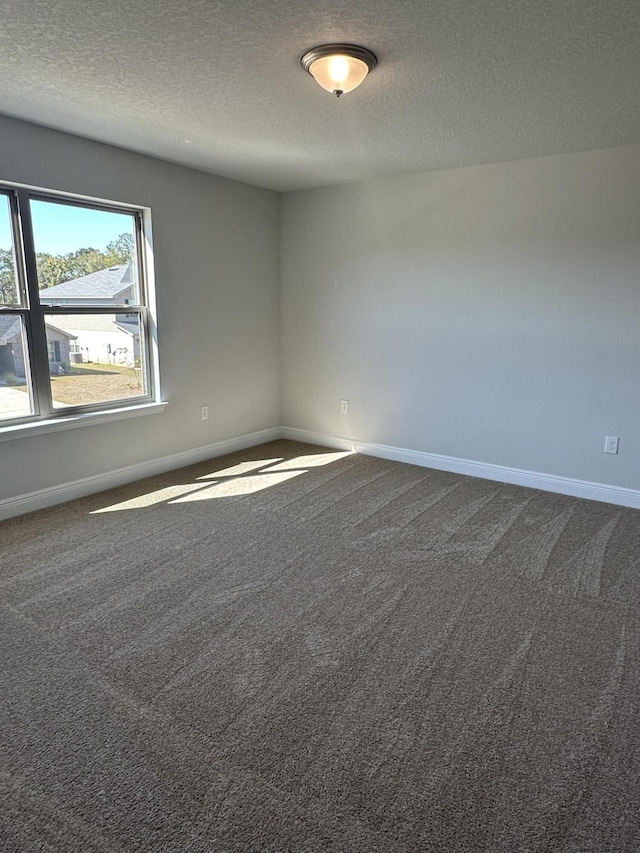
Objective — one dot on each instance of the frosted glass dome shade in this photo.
(339, 68)
(338, 73)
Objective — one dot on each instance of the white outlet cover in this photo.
(611, 444)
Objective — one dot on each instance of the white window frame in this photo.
(45, 417)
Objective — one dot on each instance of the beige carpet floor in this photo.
(294, 649)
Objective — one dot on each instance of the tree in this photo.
(85, 261)
(121, 249)
(54, 269)
(7, 277)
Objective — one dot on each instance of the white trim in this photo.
(85, 419)
(42, 498)
(531, 479)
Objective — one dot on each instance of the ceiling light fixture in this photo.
(339, 68)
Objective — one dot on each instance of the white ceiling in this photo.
(459, 82)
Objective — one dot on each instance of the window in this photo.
(54, 350)
(75, 327)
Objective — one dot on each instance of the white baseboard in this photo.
(518, 477)
(90, 485)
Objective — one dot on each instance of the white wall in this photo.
(487, 313)
(217, 268)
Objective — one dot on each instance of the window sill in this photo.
(74, 421)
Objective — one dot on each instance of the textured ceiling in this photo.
(217, 84)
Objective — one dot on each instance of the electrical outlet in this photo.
(611, 444)
(204, 413)
(344, 407)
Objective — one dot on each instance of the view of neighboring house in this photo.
(103, 338)
(60, 343)
(113, 286)
(75, 338)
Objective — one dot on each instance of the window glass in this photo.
(15, 381)
(95, 358)
(8, 278)
(84, 255)
(75, 330)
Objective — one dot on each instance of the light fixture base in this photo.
(353, 50)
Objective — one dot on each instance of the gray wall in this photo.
(487, 313)
(217, 269)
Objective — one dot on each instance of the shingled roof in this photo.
(96, 285)
(9, 328)
(70, 323)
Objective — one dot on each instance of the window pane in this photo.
(95, 358)
(15, 391)
(8, 286)
(84, 256)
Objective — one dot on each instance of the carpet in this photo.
(297, 649)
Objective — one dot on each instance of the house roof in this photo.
(92, 323)
(10, 329)
(61, 331)
(103, 284)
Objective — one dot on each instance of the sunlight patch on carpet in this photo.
(312, 461)
(238, 487)
(242, 468)
(151, 498)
